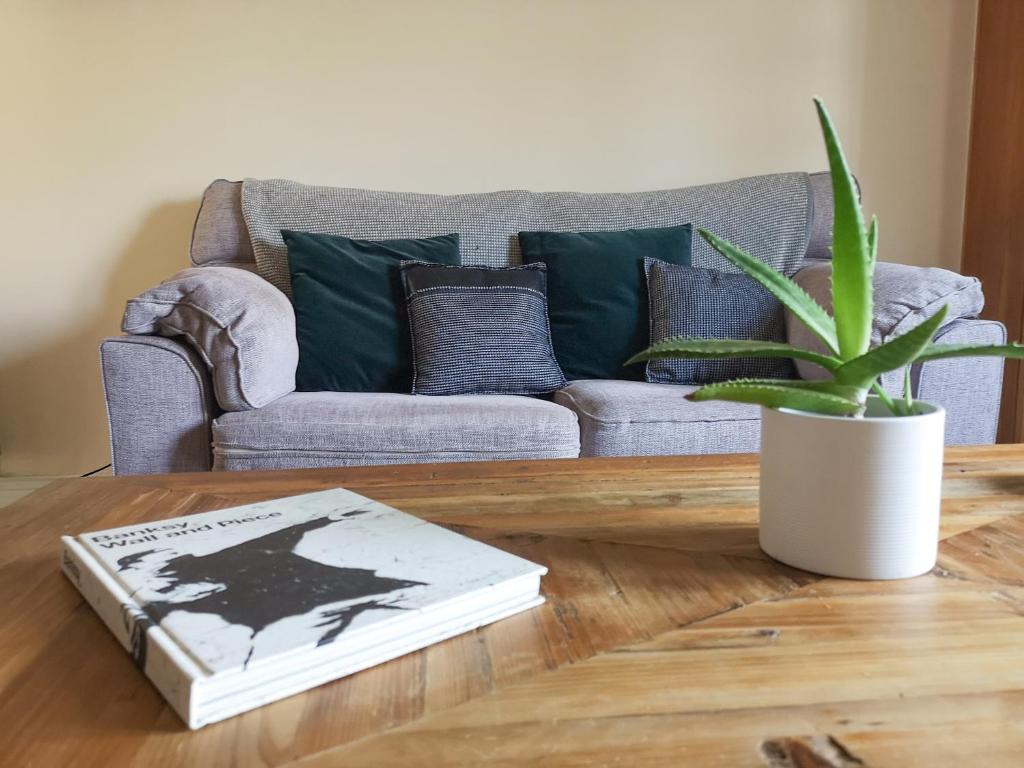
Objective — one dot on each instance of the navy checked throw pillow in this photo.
(707, 304)
(480, 330)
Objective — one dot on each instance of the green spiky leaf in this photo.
(853, 263)
(824, 397)
(944, 351)
(901, 351)
(873, 246)
(795, 298)
(682, 348)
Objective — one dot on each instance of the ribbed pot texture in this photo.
(855, 498)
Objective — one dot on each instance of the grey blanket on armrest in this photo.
(241, 325)
(904, 297)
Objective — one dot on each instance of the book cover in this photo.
(230, 609)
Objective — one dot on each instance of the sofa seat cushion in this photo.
(634, 418)
(333, 429)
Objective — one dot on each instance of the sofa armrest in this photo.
(969, 388)
(904, 297)
(241, 326)
(160, 405)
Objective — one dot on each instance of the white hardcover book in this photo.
(226, 611)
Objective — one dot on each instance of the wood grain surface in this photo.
(668, 638)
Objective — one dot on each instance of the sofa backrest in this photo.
(781, 218)
(219, 235)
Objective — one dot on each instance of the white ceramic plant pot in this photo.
(856, 498)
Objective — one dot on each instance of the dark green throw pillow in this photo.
(350, 317)
(597, 294)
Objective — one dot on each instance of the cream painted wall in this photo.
(116, 114)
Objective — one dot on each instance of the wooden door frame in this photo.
(993, 246)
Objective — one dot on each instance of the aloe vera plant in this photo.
(846, 334)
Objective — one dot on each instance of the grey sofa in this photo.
(218, 394)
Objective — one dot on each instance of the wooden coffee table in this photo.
(667, 638)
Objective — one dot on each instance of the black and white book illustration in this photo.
(229, 610)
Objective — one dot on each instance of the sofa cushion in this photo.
(904, 297)
(485, 222)
(597, 293)
(700, 303)
(480, 330)
(219, 235)
(819, 243)
(330, 429)
(242, 327)
(770, 216)
(633, 418)
(350, 318)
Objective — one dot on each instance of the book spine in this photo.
(169, 669)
